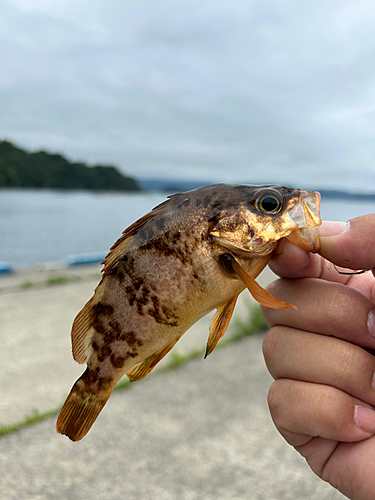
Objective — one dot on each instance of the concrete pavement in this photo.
(201, 431)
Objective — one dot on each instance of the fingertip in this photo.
(330, 233)
(349, 244)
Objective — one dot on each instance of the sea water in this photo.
(38, 226)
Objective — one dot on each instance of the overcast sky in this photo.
(237, 91)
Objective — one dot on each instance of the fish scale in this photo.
(191, 254)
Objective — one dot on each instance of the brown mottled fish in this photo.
(193, 253)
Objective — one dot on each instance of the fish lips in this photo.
(306, 216)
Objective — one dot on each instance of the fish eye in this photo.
(269, 203)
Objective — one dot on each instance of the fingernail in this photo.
(371, 322)
(364, 418)
(333, 228)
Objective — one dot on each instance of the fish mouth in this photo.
(306, 216)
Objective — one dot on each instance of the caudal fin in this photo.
(79, 412)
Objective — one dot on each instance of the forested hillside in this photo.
(19, 168)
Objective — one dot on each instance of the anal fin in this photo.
(220, 323)
(140, 370)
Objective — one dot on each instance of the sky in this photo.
(278, 91)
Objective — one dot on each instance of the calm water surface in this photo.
(47, 226)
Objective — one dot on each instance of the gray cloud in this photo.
(241, 91)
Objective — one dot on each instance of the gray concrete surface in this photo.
(201, 431)
(36, 366)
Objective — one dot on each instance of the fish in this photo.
(193, 253)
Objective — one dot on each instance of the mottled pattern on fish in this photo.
(191, 254)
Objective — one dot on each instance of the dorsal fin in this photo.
(116, 251)
(120, 246)
(82, 332)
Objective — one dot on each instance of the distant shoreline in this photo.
(146, 186)
(41, 170)
(343, 195)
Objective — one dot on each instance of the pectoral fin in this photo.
(260, 294)
(219, 324)
(140, 370)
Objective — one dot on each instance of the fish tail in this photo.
(80, 411)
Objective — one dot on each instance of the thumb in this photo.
(349, 244)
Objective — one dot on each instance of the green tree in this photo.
(18, 168)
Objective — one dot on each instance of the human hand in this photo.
(324, 391)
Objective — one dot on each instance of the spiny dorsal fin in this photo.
(220, 323)
(82, 332)
(117, 250)
(140, 370)
(121, 245)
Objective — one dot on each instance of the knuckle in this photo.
(343, 297)
(271, 342)
(273, 286)
(344, 304)
(275, 400)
